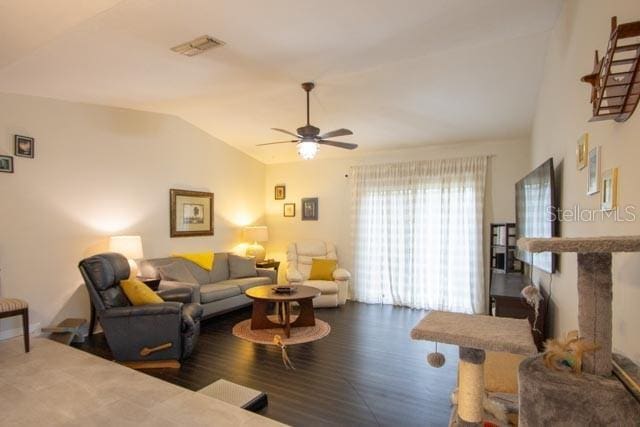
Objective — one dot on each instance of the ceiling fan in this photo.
(308, 138)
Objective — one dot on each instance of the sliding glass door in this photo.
(418, 234)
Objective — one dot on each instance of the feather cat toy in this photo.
(566, 355)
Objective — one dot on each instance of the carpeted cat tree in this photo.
(547, 397)
(474, 334)
(596, 397)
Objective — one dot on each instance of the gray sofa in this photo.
(219, 290)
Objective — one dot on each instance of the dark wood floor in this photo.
(368, 371)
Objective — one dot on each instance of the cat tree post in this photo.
(471, 369)
(594, 309)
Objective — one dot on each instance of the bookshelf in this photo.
(507, 279)
(503, 249)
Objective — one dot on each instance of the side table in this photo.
(151, 282)
(507, 301)
(269, 263)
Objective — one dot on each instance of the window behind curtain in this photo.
(418, 234)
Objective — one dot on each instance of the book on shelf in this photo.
(500, 237)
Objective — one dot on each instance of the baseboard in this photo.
(34, 329)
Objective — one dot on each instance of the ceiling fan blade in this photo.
(287, 132)
(277, 142)
(347, 145)
(337, 132)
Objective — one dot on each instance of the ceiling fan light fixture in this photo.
(308, 138)
(307, 149)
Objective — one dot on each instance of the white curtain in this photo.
(418, 234)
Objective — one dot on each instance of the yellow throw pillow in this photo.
(322, 269)
(139, 293)
(203, 259)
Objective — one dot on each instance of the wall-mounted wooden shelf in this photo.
(615, 79)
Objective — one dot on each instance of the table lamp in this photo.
(255, 235)
(130, 247)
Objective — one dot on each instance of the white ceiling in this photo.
(399, 73)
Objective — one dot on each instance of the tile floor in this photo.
(56, 385)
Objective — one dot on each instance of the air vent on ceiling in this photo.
(197, 46)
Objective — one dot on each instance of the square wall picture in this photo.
(610, 189)
(582, 151)
(289, 210)
(280, 192)
(24, 146)
(310, 209)
(593, 177)
(6, 164)
(190, 213)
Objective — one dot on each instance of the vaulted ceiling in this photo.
(399, 73)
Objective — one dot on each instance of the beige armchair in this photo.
(299, 259)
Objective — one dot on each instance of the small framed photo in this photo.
(24, 146)
(610, 189)
(310, 209)
(289, 210)
(582, 151)
(280, 192)
(6, 164)
(190, 213)
(593, 177)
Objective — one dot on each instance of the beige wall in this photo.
(326, 180)
(103, 171)
(562, 116)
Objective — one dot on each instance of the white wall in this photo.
(98, 172)
(326, 180)
(562, 116)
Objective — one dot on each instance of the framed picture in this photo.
(191, 213)
(582, 151)
(610, 189)
(6, 164)
(280, 192)
(24, 146)
(310, 209)
(593, 178)
(289, 210)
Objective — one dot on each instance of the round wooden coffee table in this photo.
(263, 295)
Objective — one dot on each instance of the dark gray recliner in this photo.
(130, 329)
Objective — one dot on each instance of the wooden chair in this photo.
(10, 307)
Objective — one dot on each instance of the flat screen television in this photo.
(535, 213)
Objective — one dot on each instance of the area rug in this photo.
(298, 335)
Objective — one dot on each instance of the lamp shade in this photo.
(255, 234)
(129, 246)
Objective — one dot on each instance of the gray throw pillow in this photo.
(241, 266)
(176, 272)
